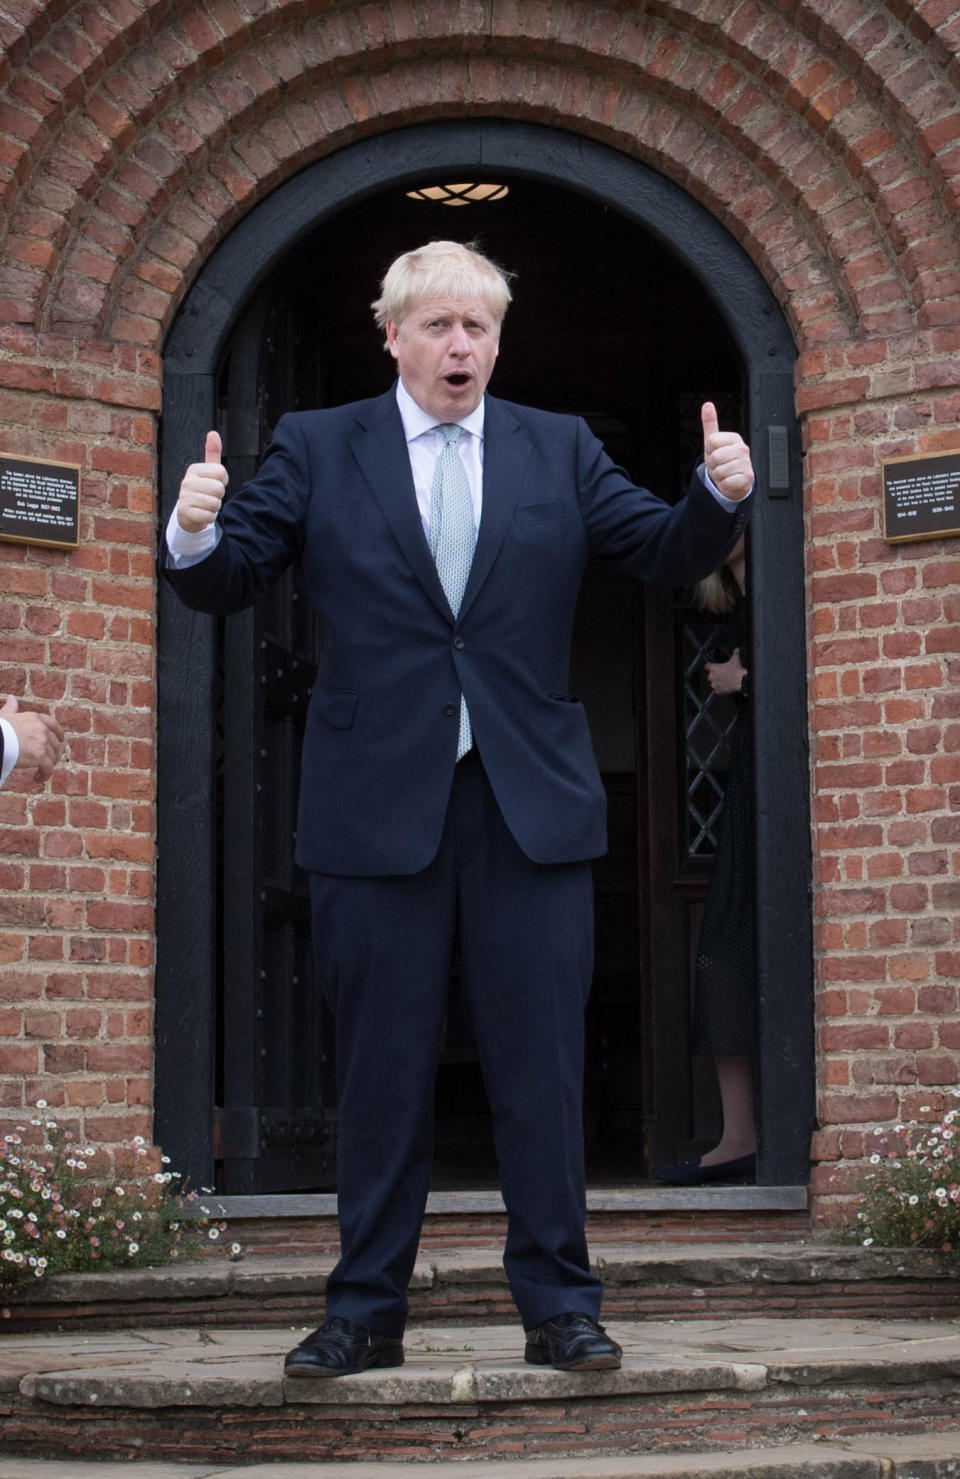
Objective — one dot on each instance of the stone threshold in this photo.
(732, 1198)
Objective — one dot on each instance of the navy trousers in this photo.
(384, 949)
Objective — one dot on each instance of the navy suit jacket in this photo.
(334, 497)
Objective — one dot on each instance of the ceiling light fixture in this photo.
(470, 194)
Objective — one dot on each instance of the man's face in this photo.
(445, 350)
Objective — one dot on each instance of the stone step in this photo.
(928, 1457)
(645, 1281)
(306, 1223)
(687, 1388)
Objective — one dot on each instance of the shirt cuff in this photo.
(185, 549)
(730, 504)
(11, 749)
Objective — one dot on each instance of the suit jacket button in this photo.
(459, 643)
(451, 709)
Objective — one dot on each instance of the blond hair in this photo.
(716, 592)
(441, 269)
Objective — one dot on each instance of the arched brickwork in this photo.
(824, 135)
(824, 141)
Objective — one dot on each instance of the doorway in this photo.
(609, 323)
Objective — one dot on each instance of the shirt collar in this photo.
(416, 420)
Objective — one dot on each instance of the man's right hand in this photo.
(201, 492)
(39, 736)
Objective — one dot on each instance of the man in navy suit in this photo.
(449, 797)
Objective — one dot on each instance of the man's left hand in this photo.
(726, 456)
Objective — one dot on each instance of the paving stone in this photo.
(456, 1364)
(807, 1461)
(933, 1456)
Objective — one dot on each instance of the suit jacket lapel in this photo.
(381, 452)
(506, 454)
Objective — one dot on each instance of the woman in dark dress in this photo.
(725, 998)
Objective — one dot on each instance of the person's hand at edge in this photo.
(39, 736)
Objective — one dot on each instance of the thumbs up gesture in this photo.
(204, 484)
(726, 456)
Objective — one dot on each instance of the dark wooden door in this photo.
(275, 1122)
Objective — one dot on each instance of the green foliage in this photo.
(911, 1196)
(58, 1216)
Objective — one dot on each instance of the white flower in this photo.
(867, 1242)
(874, 1159)
(139, 1140)
(913, 1200)
(133, 1248)
(41, 1103)
(213, 1234)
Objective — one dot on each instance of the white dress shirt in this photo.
(424, 444)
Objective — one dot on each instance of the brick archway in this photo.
(824, 136)
(825, 141)
(188, 743)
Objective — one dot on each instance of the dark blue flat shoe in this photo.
(691, 1173)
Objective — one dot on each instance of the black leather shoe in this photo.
(691, 1173)
(572, 1342)
(341, 1348)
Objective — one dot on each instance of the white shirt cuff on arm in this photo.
(11, 749)
(730, 504)
(186, 549)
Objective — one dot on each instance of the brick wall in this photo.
(826, 136)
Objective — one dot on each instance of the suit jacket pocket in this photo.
(539, 520)
(337, 705)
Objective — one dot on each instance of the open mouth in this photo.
(457, 379)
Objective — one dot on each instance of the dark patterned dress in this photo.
(725, 991)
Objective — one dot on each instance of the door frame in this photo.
(186, 885)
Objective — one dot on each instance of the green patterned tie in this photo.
(452, 540)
